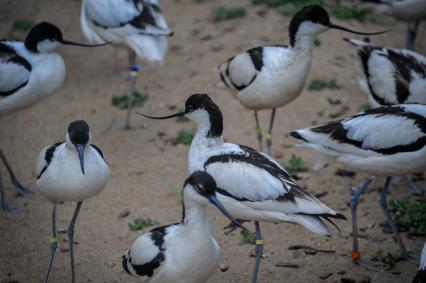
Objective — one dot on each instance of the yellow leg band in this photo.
(134, 74)
(53, 240)
(268, 136)
(259, 242)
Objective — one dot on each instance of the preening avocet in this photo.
(252, 186)
(29, 71)
(388, 75)
(271, 76)
(139, 24)
(183, 252)
(385, 141)
(410, 11)
(421, 274)
(70, 171)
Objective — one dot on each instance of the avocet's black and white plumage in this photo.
(252, 186)
(137, 24)
(411, 11)
(385, 141)
(271, 76)
(71, 171)
(388, 75)
(183, 252)
(29, 71)
(421, 274)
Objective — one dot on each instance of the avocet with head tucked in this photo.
(29, 71)
(70, 171)
(182, 252)
(139, 24)
(388, 75)
(385, 141)
(271, 76)
(251, 185)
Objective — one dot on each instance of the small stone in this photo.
(64, 250)
(124, 213)
(342, 272)
(325, 275)
(223, 267)
(334, 101)
(287, 264)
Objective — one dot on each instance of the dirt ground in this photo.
(148, 172)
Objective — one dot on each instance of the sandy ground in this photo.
(147, 171)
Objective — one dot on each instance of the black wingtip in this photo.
(296, 135)
(171, 33)
(125, 267)
(339, 216)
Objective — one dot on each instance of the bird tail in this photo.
(126, 263)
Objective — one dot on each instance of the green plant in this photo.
(248, 237)
(295, 165)
(141, 223)
(184, 137)
(320, 84)
(409, 214)
(348, 12)
(288, 7)
(364, 107)
(389, 259)
(120, 101)
(23, 25)
(222, 13)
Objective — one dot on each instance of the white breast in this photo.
(64, 181)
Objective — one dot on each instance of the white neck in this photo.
(196, 219)
(304, 43)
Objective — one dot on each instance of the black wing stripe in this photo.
(48, 157)
(98, 150)
(256, 55)
(420, 277)
(12, 91)
(340, 134)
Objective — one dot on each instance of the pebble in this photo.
(223, 267)
(325, 275)
(124, 213)
(287, 264)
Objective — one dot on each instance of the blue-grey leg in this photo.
(259, 251)
(412, 33)
(413, 186)
(19, 188)
(391, 222)
(258, 131)
(134, 73)
(269, 134)
(356, 255)
(53, 244)
(7, 206)
(71, 239)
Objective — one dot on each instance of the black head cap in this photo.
(203, 101)
(312, 13)
(40, 32)
(79, 132)
(202, 182)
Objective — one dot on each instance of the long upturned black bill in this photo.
(335, 26)
(222, 209)
(80, 150)
(164, 117)
(69, 42)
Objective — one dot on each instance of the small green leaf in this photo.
(120, 101)
(295, 165)
(320, 84)
(248, 238)
(222, 13)
(23, 25)
(184, 137)
(141, 223)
